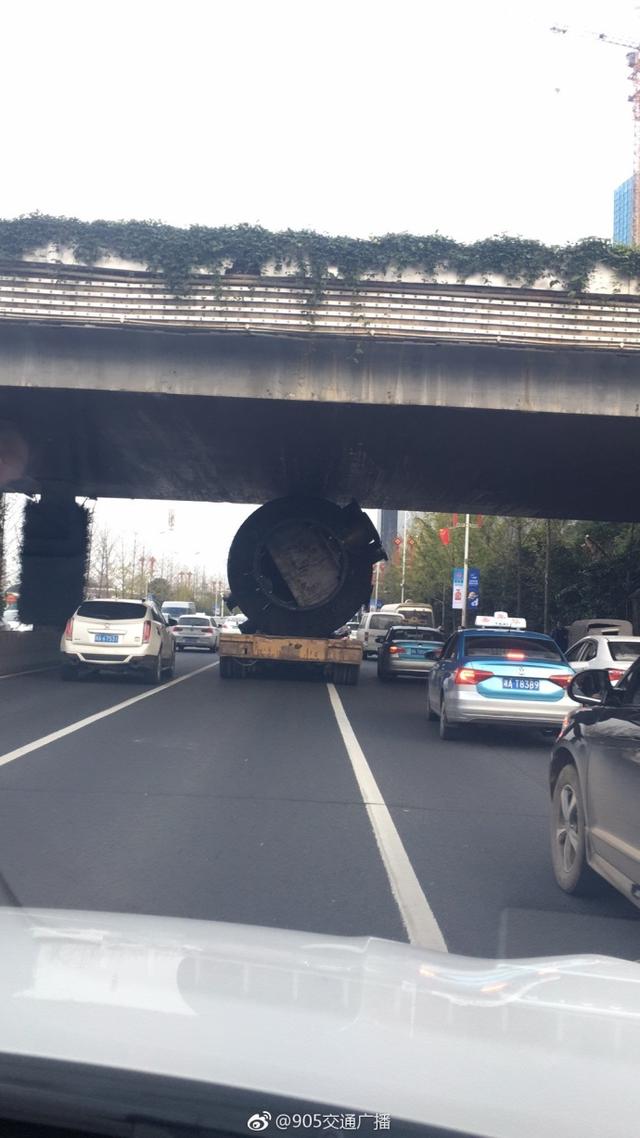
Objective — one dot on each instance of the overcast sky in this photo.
(350, 116)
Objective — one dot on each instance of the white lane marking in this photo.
(419, 921)
(28, 672)
(55, 735)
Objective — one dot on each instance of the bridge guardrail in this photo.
(480, 314)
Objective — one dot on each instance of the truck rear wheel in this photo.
(346, 674)
(226, 671)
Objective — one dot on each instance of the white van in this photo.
(416, 613)
(373, 628)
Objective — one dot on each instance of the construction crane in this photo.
(633, 63)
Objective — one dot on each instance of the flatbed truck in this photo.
(246, 654)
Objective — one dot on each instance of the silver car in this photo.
(407, 650)
(197, 630)
(615, 653)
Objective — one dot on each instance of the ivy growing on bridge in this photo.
(176, 253)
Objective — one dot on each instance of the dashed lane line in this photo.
(417, 915)
(28, 672)
(44, 740)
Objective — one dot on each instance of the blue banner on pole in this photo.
(473, 594)
(473, 588)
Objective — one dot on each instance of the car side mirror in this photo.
(171, 620)
(591, 688)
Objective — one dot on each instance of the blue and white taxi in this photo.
(498, 672)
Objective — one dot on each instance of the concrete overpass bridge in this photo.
(401, 392)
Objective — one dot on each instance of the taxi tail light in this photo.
(68, 632)
(561, 681)
(615, 674)
(470, 676)
(394, 650)
(146, 632)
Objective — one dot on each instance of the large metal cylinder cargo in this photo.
(302, 566)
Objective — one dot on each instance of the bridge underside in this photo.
(122, 444)
(244, 418)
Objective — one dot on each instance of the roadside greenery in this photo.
(594, 567)
(119, 568)
(247, 249)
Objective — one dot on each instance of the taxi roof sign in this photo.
(500, 620)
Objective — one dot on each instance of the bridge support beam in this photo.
(55, 545)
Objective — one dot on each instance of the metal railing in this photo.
(65, 295)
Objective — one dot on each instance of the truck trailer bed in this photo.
(243, 655)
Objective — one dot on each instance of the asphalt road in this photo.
(238, 801)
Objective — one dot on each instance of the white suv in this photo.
(124, 635)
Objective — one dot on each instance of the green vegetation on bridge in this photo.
(177, 253)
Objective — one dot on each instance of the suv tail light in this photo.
(68, 632)
(561, 681)
(146, 632)
(615, 674)
(471, 675)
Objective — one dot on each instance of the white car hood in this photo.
(520, 1048)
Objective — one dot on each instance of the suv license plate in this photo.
(516, 684)
(106, 638)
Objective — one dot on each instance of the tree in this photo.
(102, 568)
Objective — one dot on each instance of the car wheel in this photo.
(68, 672)
(431, 715)
(568, 835)
(447, 730)
(180, 647)
(154, 675)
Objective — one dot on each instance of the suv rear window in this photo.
(195, 621)
(384, 621)
(532, 647)
(416, 614)
(624, 649)
(113, 610)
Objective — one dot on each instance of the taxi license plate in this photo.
(106, 638)
(516, 684)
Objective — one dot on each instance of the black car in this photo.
(595, 786)
(407, 650)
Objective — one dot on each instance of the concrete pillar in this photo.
(55, 544)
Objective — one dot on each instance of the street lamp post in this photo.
(465, 573)
(404, 557)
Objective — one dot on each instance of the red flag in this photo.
(456, 519)
(443, 534)
(479, 520)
